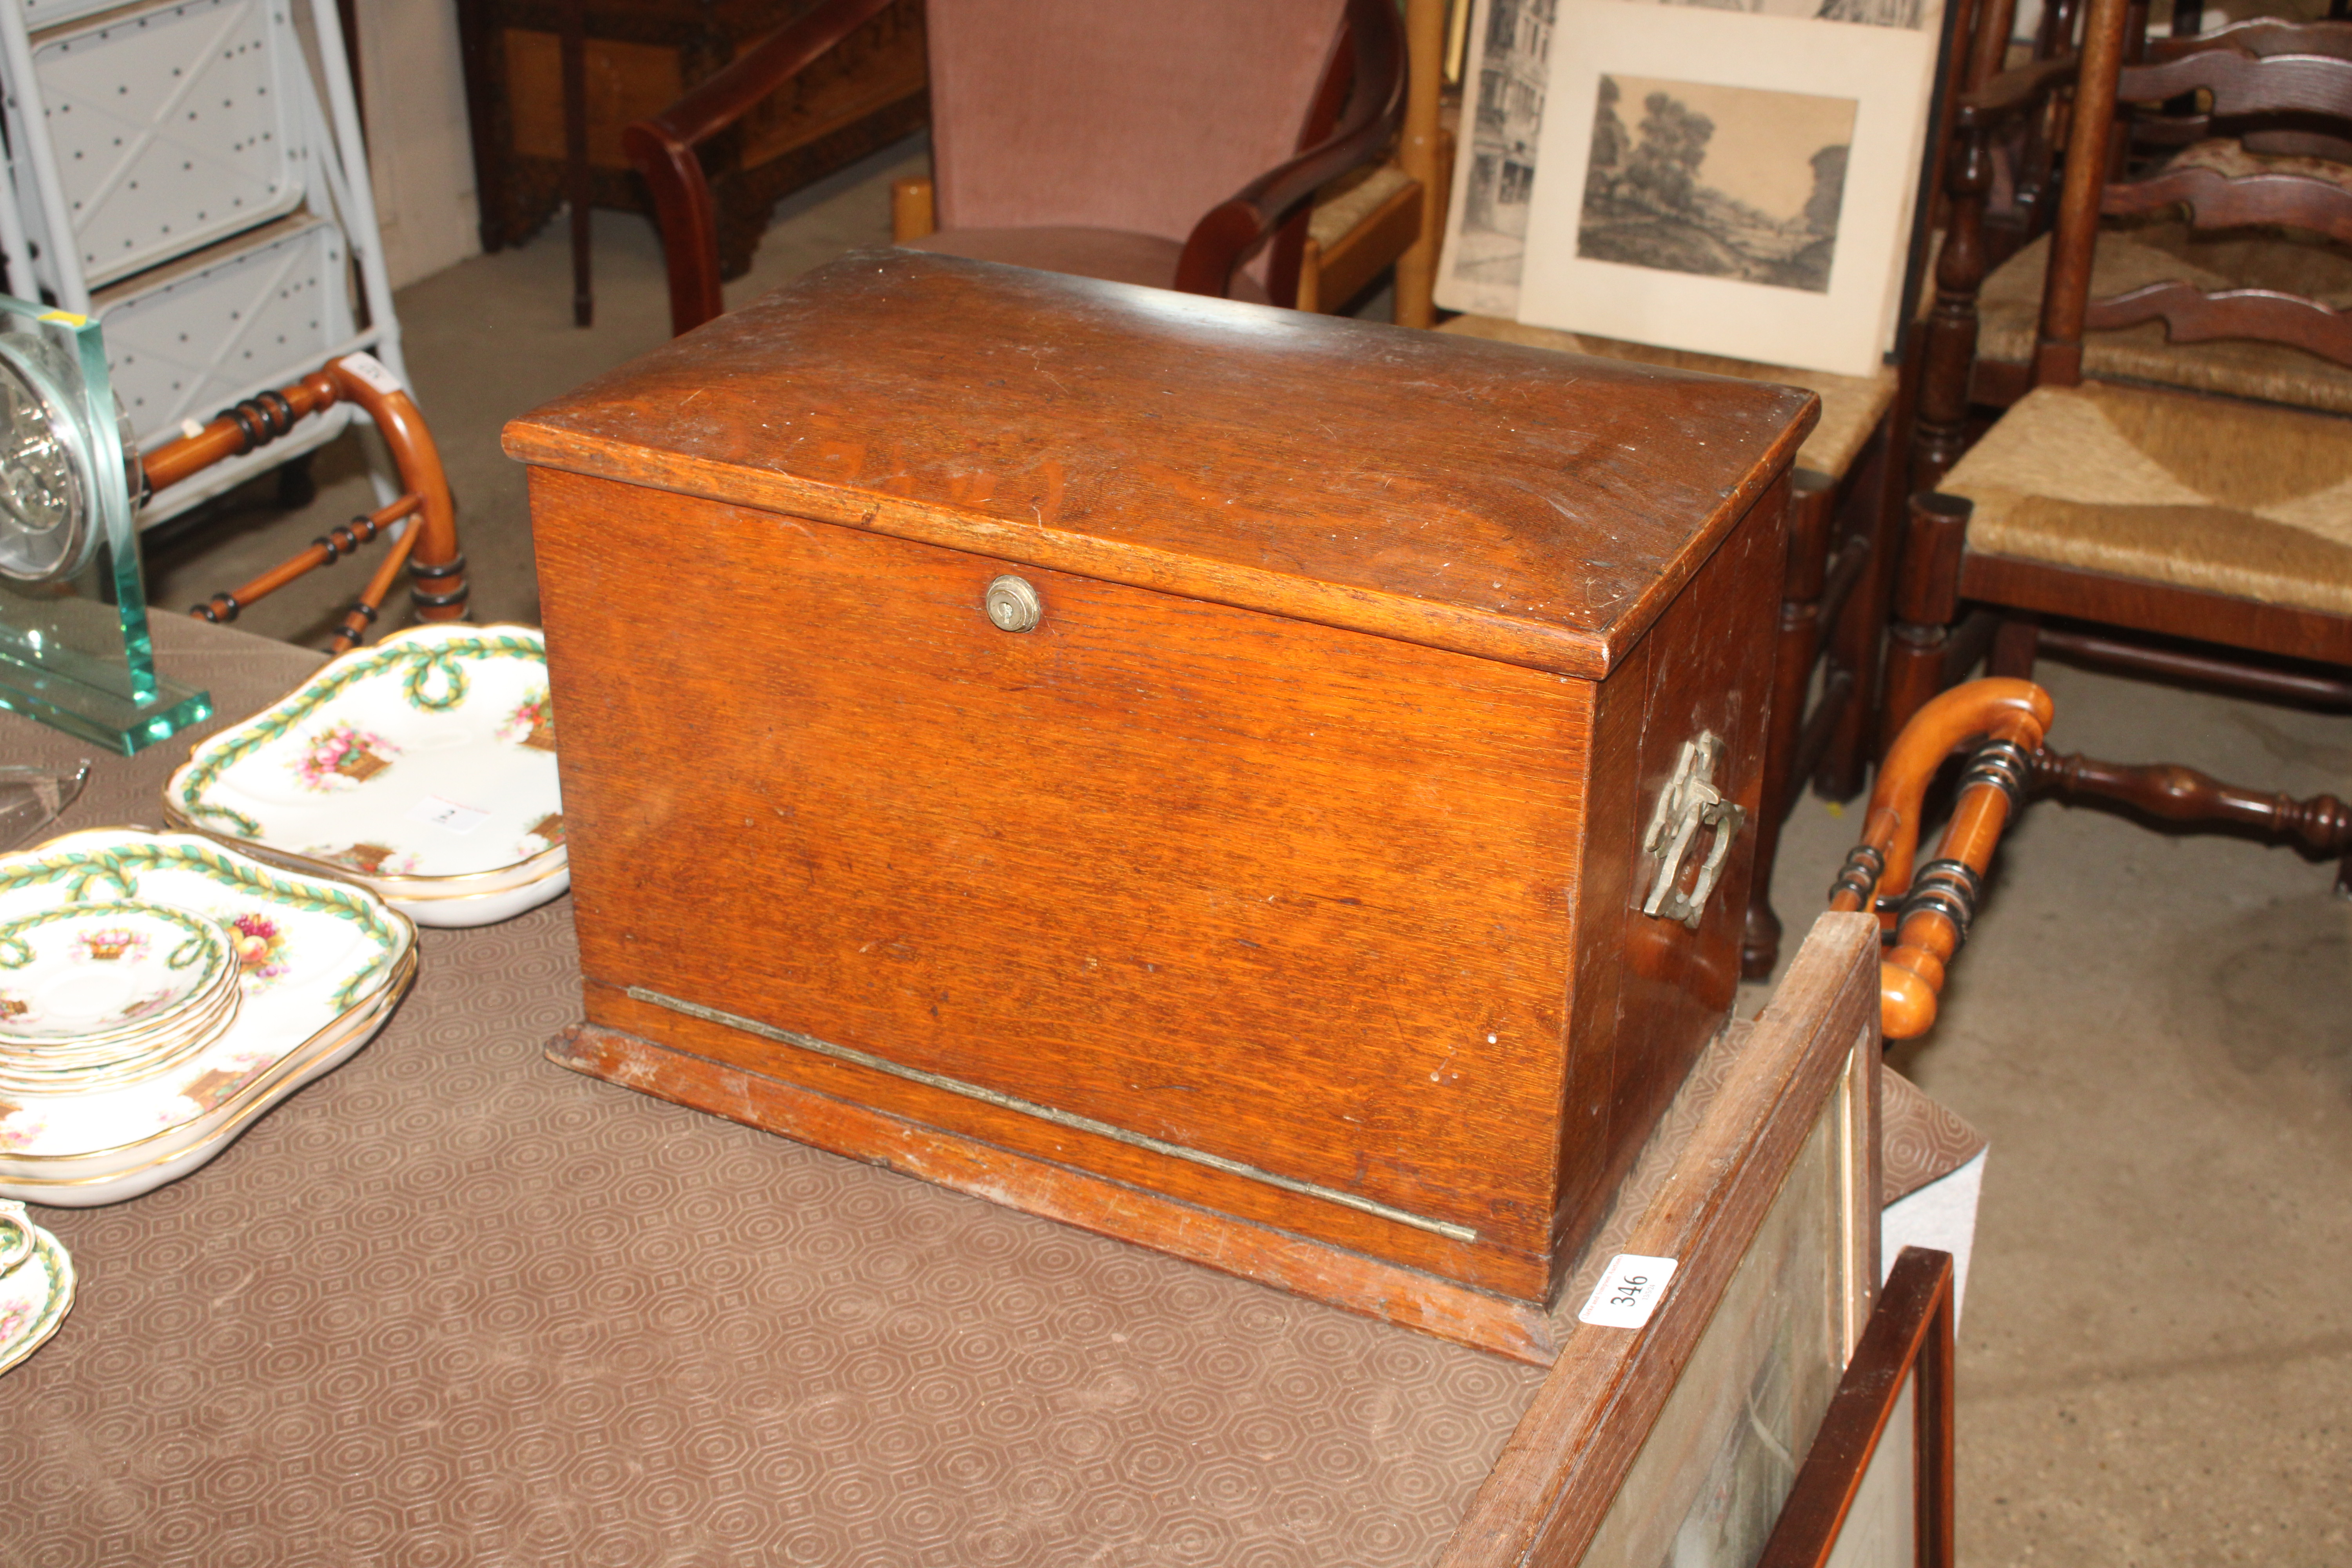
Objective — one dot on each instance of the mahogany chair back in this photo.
(1119, 130)
(2159, 531)
(2275, 89)
(1074, 113)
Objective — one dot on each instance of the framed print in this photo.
(1727, 182)
(1506, 74)
(1506, 53)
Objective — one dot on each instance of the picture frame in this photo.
(1505, 70)
(1680, 1440)
(1876, 1489)
(1727, 182)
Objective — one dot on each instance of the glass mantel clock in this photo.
(73, 647)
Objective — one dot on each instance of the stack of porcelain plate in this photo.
(422, 768)
(159, 993)
(100, 996)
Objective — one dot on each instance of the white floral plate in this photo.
(87, 975)
(422, 768)
(48, 1071)
(320, 964)
(165, 1158)
(35, 1291)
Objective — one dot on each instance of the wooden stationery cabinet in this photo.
(1178, 766)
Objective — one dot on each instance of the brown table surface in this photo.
(453, 1304)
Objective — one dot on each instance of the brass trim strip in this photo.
(1047, 1113)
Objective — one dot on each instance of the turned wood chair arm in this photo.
(663, 148)
(1235, 228)
(427, 547)
(1937, 904)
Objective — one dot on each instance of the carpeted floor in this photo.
(2156, 1033)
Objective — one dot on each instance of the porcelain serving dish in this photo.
(36, 1285)
(319, 966)
(422, 768)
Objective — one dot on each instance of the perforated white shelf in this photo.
(171, 128)
(187, 340)
(209, 175)
(40, 13)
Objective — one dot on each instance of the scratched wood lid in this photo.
(1507, 502)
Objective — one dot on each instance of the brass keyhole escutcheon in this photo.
(1012, 605)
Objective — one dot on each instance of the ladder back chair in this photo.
(2165, 534)
(2001, 181)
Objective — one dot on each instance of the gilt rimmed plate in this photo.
(79, 979)
(422, 768)
(50, 1072)
(314, 958)
(155, 1160)
(36, 1293)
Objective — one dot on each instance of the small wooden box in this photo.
(1277, 898)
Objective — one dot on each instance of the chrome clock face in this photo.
(44, 505)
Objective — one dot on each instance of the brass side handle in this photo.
(1689, 806)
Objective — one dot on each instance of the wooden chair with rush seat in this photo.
(1181, 147)
(1987, 318)
(2199, 538)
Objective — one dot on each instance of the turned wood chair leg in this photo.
(2014, 646)
(2321, 827)
(1926, 603)
(1810, 510)
(1858, 645)
(914, 213)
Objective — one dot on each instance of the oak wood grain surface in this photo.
(1539, 508)
(1251, 886)
(1649, 993)
(1039, 1186)
(1328, 930)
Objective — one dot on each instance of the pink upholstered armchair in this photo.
(1172, 144)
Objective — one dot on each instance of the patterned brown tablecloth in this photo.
(453, 1304)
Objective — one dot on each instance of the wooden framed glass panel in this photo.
(1877, 1490)
(1677, 1441)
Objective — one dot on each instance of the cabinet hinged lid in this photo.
(1506, 502)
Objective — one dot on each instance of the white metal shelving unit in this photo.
(192, 173)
